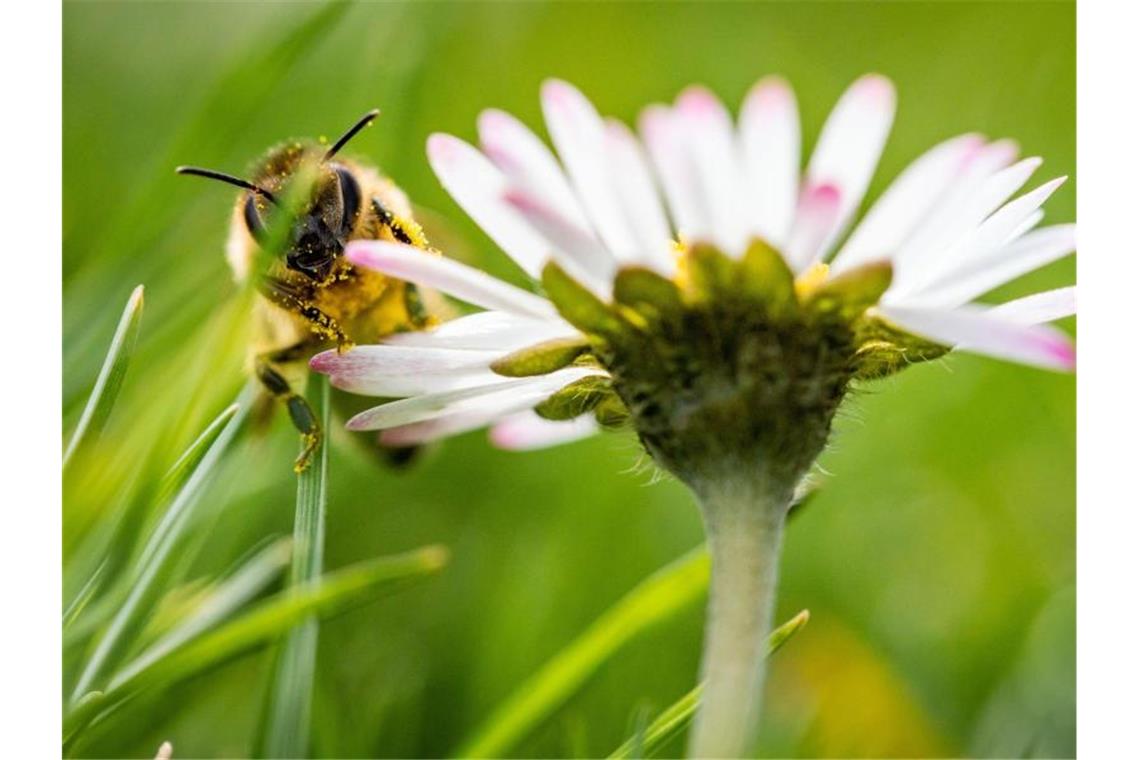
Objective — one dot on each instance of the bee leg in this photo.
(285, 296)
(304, 420)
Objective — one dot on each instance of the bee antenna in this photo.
(229, 179)
(360, 124)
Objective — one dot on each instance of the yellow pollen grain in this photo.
(811, 280)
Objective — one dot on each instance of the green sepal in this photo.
(850, 294)
(712, 274)
(578, 305)
(885, 349)
(575, 399)
(542, 358)
(611, 412)
(766, 278)
(646, 292)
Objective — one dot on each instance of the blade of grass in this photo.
(288, 710)
(110, 379)
(336, 593)
(223, 601)
(117, 552)
(677, 716)
(662, 595)
(156, 558)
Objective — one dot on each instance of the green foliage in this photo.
(110, 380)
(676, 718)
(656, 599)
(285, 731)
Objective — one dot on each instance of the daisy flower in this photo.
(705, 291)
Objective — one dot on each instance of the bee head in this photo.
(320, 230)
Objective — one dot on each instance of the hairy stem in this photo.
(744, 522)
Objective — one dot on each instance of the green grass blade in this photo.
(266, 622)
(657, 598)
(677, 716)
(288, 710)
(156, 562)
(222, 602)
(110, 379)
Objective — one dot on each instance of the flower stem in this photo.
(745, 523)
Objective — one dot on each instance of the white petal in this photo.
(525, 391)
(953, 216)
(910, 197)
(575, 248)
(480, 412)
(1034, 250)
(850, 144)
(717, 165)
(466, 283)
(405, 371)
(579, 135)
(666, 141)
(428, 406)
(477, 186)
(638, 196)
(1039, 308)
(528, 163)
(815, 219)
(974, 329)
(486, 331)
(770, 142)
(1030, 222)
(526, 431)
(999, 227)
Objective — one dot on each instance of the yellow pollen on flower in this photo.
(811, 280)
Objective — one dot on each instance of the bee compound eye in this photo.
(253, 221)
(349, 196)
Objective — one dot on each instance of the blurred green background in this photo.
(937, 561)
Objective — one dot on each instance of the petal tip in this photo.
(875, 87)
(324, 362)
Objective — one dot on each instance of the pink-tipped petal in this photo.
(478, 187)
(818, 209)
(770, 143)
(975, 330)
(1039, 308)
(480, 412)
(579, 135)
(526, 431)
(955, 215)
(466, 283)
(900, 209)
(394, 371)
(850, 144)
(505, 392)
(717, 166)
(528, 163)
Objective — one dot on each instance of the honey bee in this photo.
(310, 297)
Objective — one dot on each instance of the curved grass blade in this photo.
(223, 601)
(82, 619)
(288, 710)
(156, 560)
(662, 595)
(677, 716)
(336, 593)
(110, 379)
